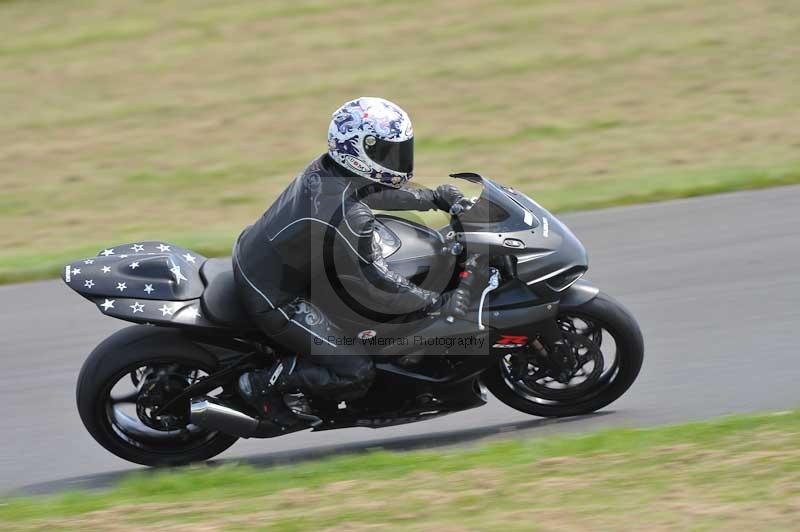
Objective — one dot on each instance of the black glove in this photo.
(455, 303)
(447, 196)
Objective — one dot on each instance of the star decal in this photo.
(149, 289)
(176, 270)
(108, 304)
(106, 269)
(76, 271)
(107, 252)
(137, 248)
(89, 261)
(123, 256)
(89, 283)
(134, 265)
(122, 286)
(165, 310)
(162, 248)
(193, 312)
(190, 258)
(137, 307)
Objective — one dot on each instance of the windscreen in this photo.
(498, 205)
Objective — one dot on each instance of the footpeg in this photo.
(298, 404)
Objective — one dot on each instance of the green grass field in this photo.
(737, 473)
(127, 120)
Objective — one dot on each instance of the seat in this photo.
(220, 300)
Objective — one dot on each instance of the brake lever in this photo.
(494, 282)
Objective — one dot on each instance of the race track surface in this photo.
(713, 281)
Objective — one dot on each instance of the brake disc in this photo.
(549, 384)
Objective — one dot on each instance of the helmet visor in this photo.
(396, 156)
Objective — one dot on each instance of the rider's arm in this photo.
(383, 287)
(404, 198)
(407, 198)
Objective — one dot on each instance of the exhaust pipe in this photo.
(209, 413)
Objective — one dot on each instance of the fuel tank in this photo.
(416, 252)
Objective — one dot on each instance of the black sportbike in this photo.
(537, 336)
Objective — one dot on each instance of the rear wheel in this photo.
(608, 350)
(125, 380)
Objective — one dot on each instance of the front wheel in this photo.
(608, 347)
(124, 381)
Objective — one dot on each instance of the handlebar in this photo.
(462, 206)
(456, 209)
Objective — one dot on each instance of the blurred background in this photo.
(132, 120)
(182, 120)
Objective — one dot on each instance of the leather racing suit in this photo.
(292, 266)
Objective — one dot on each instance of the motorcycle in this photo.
(537, 336)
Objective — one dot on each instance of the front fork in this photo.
(547, 339)
(550, 353)
(558, 355)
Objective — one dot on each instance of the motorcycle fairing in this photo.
(544, 250)
(147, 282)
(150, 270)
(174, 313)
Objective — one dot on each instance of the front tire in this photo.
(122, 355)
(614, 320)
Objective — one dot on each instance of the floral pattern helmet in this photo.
(373, 138)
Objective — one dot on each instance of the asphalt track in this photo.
(714, 282)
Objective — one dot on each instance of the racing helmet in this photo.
(373, 138)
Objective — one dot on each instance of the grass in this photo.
(133, 120)
(732, 473)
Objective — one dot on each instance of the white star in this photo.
(106, 269)
(162, 248)
(166, 310)
(176, 270)
(189, 258)
(108, 304)
(137, 307)
(122, 286)
(88, 261)
(76, 271)
(193, 312)
(134, 265)
(123, 256)
(89, 283)
(107, 252)
(137, 248)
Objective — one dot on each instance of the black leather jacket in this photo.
(319, 235)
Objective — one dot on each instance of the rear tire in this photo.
(624, 329)
(112, 360)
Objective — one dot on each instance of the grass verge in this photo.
(735, 472)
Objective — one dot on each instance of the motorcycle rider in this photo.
(321, 232)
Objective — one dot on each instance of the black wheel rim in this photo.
(597, 349)
(126, 415)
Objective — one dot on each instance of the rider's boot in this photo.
(264, 391)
